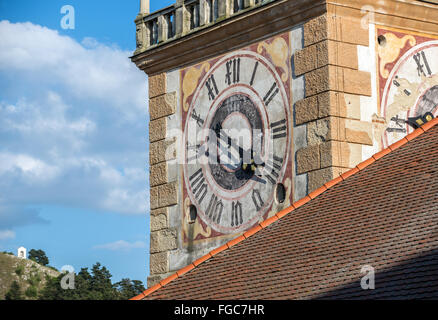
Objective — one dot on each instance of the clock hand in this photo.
(258, 179)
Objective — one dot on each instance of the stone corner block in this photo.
(163, 240)
(163, 150)
(331, 103)
(325, 129)
(164, 195)
(158, 174)
(348, 29)
(340, 154)
(305, 60)
(318, 177)
(159, 262)
(317, 81)
(159, 219)
(357, 82)
(162, 106)
(308, 159)
(157, 129)
(306, 110)
(157, 85)
(341, 54)
(359, 132)
(315, 30)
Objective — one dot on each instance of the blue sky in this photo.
(73, 135)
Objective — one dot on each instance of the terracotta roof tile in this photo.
(185, 270)
(384, 214)
(168, 279)
(284, 212)
(398, 144)
(365, 163)
(235, 241)
(382, 153)
(317, 192)
(301, 202)
(349, 173)
(218, 250)
(252, 231)
(202, 259)
(333, 182)
(269, 221)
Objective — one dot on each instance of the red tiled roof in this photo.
(385, 214)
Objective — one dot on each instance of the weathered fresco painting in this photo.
(408, 83)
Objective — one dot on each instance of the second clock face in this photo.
(236, 138)
(408, 82)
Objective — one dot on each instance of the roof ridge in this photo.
(294, 206)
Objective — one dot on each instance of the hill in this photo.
(30, 275)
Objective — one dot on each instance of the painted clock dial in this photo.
(236, 140)
(410, 93)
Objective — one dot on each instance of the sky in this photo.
(74, 134)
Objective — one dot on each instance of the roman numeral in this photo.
(236, 214)
(257, 199)
(198, 119)
(273, 169)
(271, 94)
(420, 66)
(211, 85)
(397, 84)
(198, 150)
(199, 187)
(254, 73)
(279, 129)
(233, 68)
(214, 209)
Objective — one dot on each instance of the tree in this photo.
(14, 292)
(94, 285)
(31, 292)
(129, 288)
(39, 256)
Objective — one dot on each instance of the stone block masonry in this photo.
(163, 184)
(330, 109)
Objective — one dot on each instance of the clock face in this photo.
(237, 140)
(410, 93)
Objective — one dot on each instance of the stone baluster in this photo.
(204, 12)
(225, 8)
(163, 28)
(248, 3)
(182, 18)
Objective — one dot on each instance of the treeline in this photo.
(94, 285)
(85, 285)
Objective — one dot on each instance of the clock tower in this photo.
(254, 104)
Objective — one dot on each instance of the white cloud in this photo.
(121, 245)
(7, 234)
(30, 168)
(72, 124)
(89, 69)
